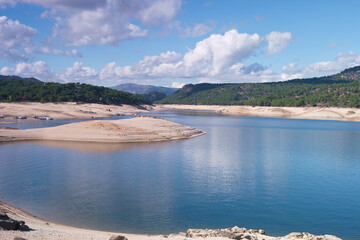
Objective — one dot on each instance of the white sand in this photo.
(67, 110)
(137, 129)
(342, 114)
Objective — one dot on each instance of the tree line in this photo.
(17, 90)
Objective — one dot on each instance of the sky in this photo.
(176, 42)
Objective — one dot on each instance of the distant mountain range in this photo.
(143, 89)
(338, 90)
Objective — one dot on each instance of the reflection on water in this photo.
(277, 174)
(86, 146)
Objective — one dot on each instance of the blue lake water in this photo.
(280, 175)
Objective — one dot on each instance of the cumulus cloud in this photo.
(113, 22)
(98, 27)
(278, 42)
(16, 39)
(39, 70)
(164, 65)
(218, 58)
(216, 53)
(103, 22)
(341, 62)
(159, 11)
(79, 73)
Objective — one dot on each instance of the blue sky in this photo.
(174, 42)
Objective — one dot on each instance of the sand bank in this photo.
(342, 114)
(67, 110)
(137, 129)
(45, 230)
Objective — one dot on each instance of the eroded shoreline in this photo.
(316, 113)
(46, 230)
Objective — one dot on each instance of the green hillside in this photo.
(339, 90)
(20, 90)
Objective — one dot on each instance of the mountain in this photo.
(154, 96)
(3, 77)
(338, 90)
(16, 89)
(142, 89)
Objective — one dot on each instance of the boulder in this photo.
(7, 223)
(3, 216)
(225, 234)
(117, 237)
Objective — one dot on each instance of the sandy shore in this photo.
(83, 111)
(45, 230)
(137, 129)
(342, 114)
(67, 110)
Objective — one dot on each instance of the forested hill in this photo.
(4, 77)
(339, 90)
(143, 89)
(16, 89)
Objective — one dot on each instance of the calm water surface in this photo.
(277, 174)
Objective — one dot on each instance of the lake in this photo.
(280, 175)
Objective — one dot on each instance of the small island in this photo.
(137, 129)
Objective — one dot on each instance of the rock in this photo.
(117, 237)
(19, 238)
(196, 233)
(182, 233)
(236, 229)
(309, 236)
(261, 231)
(9, 224)
(225, 234)
(238, 236)
(3, 216)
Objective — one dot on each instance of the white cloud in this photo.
(160, 11)
(278, 42)
(197, 30)
(98, 27)
(177, 84)
(113, 22)
(16, 39)
(332, 44)
(341, 62)
(79, 73)
(61, 4)
(218, 52)
(218, 58)
(103, 22)
(39, 70)
(164, 65)
(54, 51)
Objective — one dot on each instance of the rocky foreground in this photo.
(12, 227)
(250, 234)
